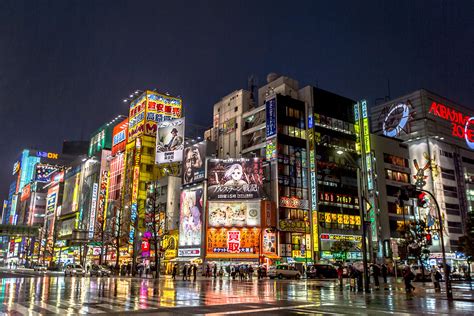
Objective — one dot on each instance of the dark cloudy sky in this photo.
(66, 65)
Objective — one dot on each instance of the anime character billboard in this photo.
(190, 217)
(234, 179)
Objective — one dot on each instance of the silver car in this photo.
(74, 270)
(284, 271)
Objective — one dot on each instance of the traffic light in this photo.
(429, 240)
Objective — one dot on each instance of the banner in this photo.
(170, 141)
(234, 179)
(234, 214)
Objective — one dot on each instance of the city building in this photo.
(393, 172)
(227, 123)
(439, 137)
(148, 110)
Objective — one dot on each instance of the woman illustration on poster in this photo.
(235, 174)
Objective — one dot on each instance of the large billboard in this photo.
(234, 214)
(194, 169)
(271, 118)
(234, 179)
(170, 141)
(190, 217)
(52, 199)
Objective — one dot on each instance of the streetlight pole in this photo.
(449, 291)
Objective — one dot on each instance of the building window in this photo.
(395, 160)
(454, 224)
(397, 176)
(468, 160)
(448, 174)
(446, 154)
(236, 109)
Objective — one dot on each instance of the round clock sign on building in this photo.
(396, 120)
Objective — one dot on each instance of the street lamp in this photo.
(360, 185)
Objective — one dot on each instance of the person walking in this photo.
(241, 273)
(221, 273)
(208, 271)
(340, 273)
(190, 271)
(185, 273)
(174, 271)
(436, 278)
(194, 272)
(408, 276)
(376, 274)
(214, 271)
(384, 273)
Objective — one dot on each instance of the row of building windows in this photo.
(397, 176)
(395, 160)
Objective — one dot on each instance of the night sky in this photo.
(66, 65)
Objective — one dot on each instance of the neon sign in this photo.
(459, 122)
(44, 154)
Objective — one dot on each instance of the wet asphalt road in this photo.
(35, 294)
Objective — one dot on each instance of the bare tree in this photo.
(155, 222)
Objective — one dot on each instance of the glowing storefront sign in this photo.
(44, 154)
(338, 237)
(233, 242)
(460, 123)
(293, 202)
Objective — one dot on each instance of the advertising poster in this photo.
(190, 217)
(234, 179)
(170, 141)
(236, 241)
(234, 214)
(194, 163)
(136, 118)
(269, 242)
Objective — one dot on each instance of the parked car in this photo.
(74, 269)
(97, 270)
(326, 271)
(40, 267)
(283, 271)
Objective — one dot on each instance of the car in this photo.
(40, 267)
(326, 271)
(73, 269)
(97, 270)
(283, 271)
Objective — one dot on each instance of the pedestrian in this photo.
(221, 272)
(174, 272)
(208, 271)
(384, 273)
(376, 274)
(340, 272)
(241, 272)
(185, 272)
(214, 271)
(408, 276)
(259, 272)
(194, 272)
(250, 272)
(436, 278)
(232, 272)
(190, 271)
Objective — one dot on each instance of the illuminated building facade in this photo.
(334, 200)
(439, 137)
(147, 110)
